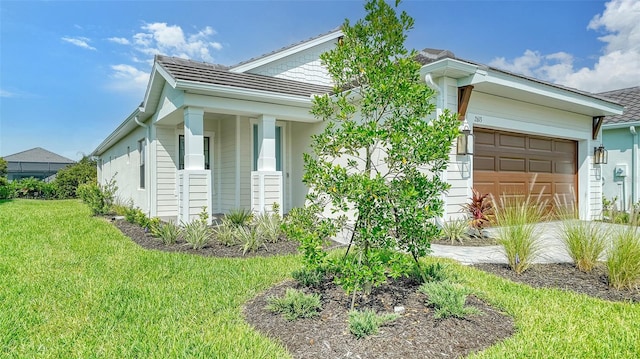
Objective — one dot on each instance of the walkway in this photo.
(553, 250)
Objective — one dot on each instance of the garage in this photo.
(514, 163)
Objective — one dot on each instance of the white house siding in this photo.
(304, 66)
(227, 166)
(121, 163)
(166, 155)
(300, 143)
(493, 112)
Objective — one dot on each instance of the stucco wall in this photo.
(121, 162)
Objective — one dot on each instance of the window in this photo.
(141, 152)
(207, 156)
(256, 148)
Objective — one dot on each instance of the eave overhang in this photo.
(520, 88)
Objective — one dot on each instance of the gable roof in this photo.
(37, 154)
(286, 51)
(630, 99)
(204, 73)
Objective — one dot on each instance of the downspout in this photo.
(634, 167)
(146, 160)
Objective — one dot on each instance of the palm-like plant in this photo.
(480, 209)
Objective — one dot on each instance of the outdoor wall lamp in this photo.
(465, 141)
(600, 155)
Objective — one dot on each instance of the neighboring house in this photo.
(36, 162)
(232, 137)
(621, 138)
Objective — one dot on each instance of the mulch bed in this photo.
(415, 334)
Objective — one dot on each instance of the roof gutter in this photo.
(611, 126)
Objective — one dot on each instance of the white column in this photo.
(193, 138)
(266, 143)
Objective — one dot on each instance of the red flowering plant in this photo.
(480, 209)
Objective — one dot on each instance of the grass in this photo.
(584, 241)
(623, 261)
(74, 287)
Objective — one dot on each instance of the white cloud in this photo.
(618, 66)
(161, 38)
(79, 41)
(119, 40)
(127, 78)
(6, 94)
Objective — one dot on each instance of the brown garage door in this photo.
(513, 163)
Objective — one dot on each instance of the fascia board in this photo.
(122, 130)
(450, 68)
(242, 93)
(545, 90)
(611, 126)
(284, 53)
(158, 75)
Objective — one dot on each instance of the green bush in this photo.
(227, 233)
(197, 233)
(516, 218)
(623, 260)
(366, 322)
(456, 230)
(448, 299)
(584, 241)
(268, 226)
(295, 304)
(249, 238)
(98, 198)
(240, 217)
(309, 277)
(432, 272)
(168, 232)
(29, 188)
(71, 177)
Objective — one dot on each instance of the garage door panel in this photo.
(512, 141)
(484, 163)
(525, 163)
(512, 164)
(484, 138)
(542, 166)
(540, 144)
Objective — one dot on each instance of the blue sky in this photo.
(72, 71)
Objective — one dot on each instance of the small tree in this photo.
(3, 167)
(71, 177)
(379, 158)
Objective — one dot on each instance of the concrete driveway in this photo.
(553, 250)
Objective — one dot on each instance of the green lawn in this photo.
(73, 286)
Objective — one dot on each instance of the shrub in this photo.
(309, 277)
(517, 218)
(448, 299)
(366, 322)
(240, 217)
(295, 304)
(480, 209)
(584, 241)
(268, 226)
(250, 239)
(168, 232)
(197, 234)
(71, 177)
(455, 230)
(227, 233)
(623, 260)
(433, 272)
(98, 198)
(30, 188)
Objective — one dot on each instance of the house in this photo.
(621, 138)
(231, 137)
(36, 162)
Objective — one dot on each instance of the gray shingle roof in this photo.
(188, 70)
(630, 98)
(37, 154)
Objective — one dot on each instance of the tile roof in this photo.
(286, 47)
(630, 98)
(188, 70)
(37, 154)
